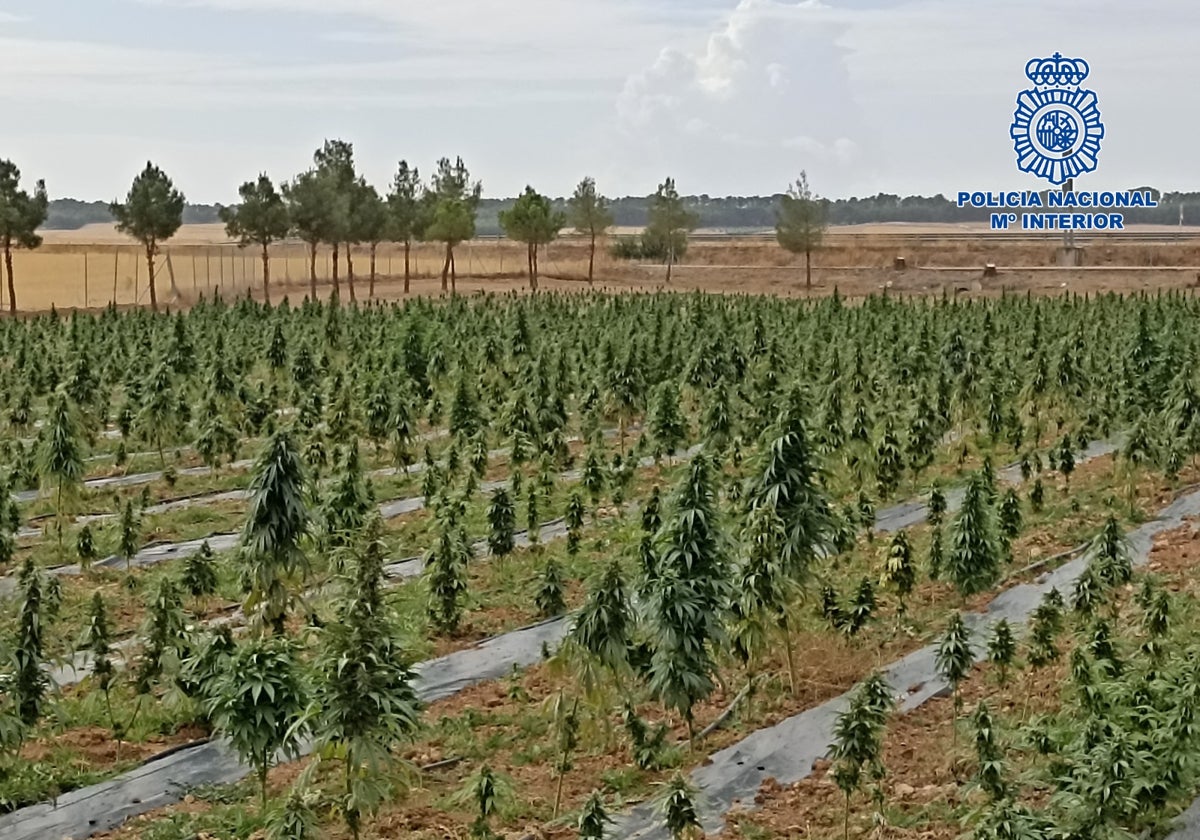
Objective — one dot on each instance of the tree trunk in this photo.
(12, 289)
(535, 267)
(808, 269)
(407, 274)
(336, 284)
(446, 265)
(312, 271)
(453, 274)
(150, 269)
(670, 263)
(350, 272)
(592, 260)
(371, 286)
(266, 258)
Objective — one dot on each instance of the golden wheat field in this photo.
(95, 265)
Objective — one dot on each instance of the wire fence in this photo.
(93, 276)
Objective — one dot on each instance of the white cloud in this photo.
(771, 78)
(904, 95)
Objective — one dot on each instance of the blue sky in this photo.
(728, 97)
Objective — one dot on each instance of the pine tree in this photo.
(955, 660)
(276, 526)
(974, 562)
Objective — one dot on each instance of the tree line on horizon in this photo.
(331, 204)
(733, 213)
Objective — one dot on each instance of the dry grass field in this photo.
(93, 266)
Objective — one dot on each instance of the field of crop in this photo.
(94, 266)
(601, 566)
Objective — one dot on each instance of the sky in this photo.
(727, 97)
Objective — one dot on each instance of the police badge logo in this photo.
(1057, 128)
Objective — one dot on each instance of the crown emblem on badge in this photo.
(1056, 129)
(1057, 71)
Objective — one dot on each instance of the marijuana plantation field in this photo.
(580, 565)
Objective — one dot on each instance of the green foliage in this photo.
(989, 754)
(593, 819)
(164, 635)
(858, 738)
(532, 220)
(1002, 648)
(446, 570)
(678, 808)
(898, 571)
(488, 792)
(954, 658)
(668, 428)
(363, 696)
(60, 458)
(588, 212)
(199, 577)
(604, 625)
(668, 224)
(151, 213)
(277, 523)
(39, 601)
(260, 219)
(800, 221)
(21, 216)
(257, 703)
(974, 562)
(550, 596)
(689, 595)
